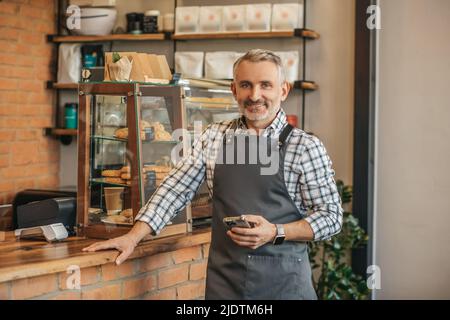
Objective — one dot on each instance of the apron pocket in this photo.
(269, 277)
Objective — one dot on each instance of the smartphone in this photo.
(237, 221)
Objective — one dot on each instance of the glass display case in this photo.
(206, 102)
(125, 151)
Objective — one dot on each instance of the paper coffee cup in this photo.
(114, 200)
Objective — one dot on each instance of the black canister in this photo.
(134, 22)
(150, 21)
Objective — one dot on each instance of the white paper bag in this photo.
(234, 18)
(210, 19)
(189, 64)
(258, 17)
(69, 63)
(287, 16)
(121, 70)
(290, 60)
(186, 19)
(219, 65)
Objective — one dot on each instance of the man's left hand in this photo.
(262, 232)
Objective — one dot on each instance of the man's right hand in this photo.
(125, 244)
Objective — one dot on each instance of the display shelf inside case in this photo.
(110, 138)
(106, 182)
(144, 141)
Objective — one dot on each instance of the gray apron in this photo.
(269, 272)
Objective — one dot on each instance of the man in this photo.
(270, 260)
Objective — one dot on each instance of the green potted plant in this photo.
(333, 276)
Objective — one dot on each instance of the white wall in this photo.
(329, 111)
(413, 180)
(330, 62)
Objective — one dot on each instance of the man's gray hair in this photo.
(258, 55)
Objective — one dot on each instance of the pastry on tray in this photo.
(115, 180)
(117, 219)
(111, 173)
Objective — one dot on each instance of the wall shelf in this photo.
(302, 33)
(305, 85)
(64, 135)
(110, 37)
(62, 86)
(61, 132)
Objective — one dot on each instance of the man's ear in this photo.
(233, 89)
(285, 88)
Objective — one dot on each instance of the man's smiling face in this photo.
(259, 90)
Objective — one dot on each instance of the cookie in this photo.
(125, 176)
(121, 133)
(111, 173)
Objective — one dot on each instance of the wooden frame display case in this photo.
(124, 153)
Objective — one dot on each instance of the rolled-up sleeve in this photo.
(319, 191)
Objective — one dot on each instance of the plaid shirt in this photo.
(308, 175)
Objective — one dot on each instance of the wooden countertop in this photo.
(30, 258)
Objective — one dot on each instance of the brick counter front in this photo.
(167, 268)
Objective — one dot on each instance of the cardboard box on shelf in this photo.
(145, 67)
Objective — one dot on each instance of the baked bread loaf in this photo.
(111, 173)
(125, 176)
(160, 133)
(121, 133)
(114, 180)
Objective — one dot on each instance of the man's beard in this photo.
(257, 110)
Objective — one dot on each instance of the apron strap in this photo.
(281, 139)
(284, 134)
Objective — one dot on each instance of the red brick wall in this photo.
(27, 158)
(166, 276)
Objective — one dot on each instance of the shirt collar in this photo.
(274, 128)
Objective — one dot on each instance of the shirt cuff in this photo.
(317, 228)
(144, 217)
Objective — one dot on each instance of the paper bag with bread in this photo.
(120, 67)
(150, 68)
